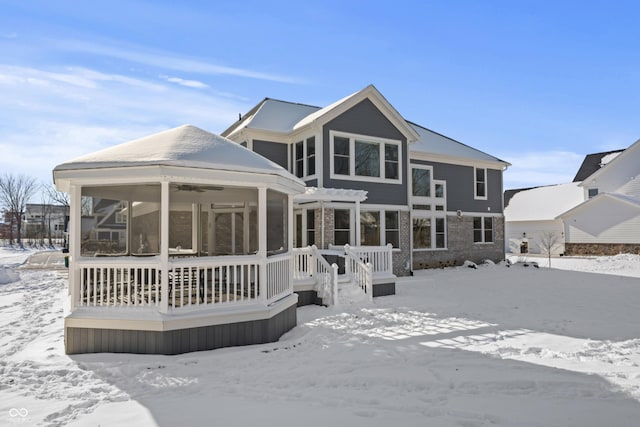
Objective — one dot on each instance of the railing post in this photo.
(390, 258)
(369, 281)
(334, 283)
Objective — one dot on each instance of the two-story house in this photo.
(374, 178)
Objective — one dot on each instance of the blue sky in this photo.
(537, 83)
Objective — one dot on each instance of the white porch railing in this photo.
(380, 257)
(360, 272)
(279, 282)
(193, 283)
(213, 282)
(115, 283)
(308, 263)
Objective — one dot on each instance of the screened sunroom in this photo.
(176, 240)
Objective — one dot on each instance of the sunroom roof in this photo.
(184, 146)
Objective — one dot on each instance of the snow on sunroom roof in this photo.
(185, 146)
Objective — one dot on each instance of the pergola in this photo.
(176, 232)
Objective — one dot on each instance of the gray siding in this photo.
(92, 340)
(461, 187)
(365, 119)
(274, 151)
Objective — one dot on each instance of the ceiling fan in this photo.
(197, 188)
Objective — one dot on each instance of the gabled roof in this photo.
(272, 115)
(430, 142)
(593, 162)
(629, 201)
(184, 146)
(625, 154)
(286, 117)
(543, 203)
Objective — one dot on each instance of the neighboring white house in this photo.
(597, 214)
(608, 219)
(533, 213)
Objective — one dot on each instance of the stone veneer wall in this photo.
(600, 248)
(460, 246)
(402, 258)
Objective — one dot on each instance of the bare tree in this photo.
(15, 192)
(549, 240)
(61, 198)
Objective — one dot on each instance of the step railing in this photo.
(308, 263)
(361, 273)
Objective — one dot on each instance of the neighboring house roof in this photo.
(433, 143)
(593, 162)
(544, 203)
(508, 194)
(184, 146)
(612, 198)
(613, 162)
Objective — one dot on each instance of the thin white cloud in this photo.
(169, 61)
(535, 168)
(183, 82)
(51, 117)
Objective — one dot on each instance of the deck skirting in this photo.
(80, 340)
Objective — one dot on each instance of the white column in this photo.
(164, 245)
(262, 241)
(357, 222)
(246, 221)
(195, 226)
(75, 230)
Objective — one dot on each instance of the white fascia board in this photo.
(154, 174)
(462, 161)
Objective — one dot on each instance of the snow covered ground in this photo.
(492, 346)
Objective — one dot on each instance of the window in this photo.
(483, 229)
(379, 228)
(429, 233)
(421, 182)
(342, 226)
(365, 158)
(593, 192)
(422, 233)
(305, 157)
(392, 228)
(341, 156)
(480, 183)
(370, 228)
(311, 228)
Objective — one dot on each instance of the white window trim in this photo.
(431, 215)
(475, 184)
(493, 230)
(305, 158)
(431, 184)
(352, 176)
(432, 200)
(383, 225)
